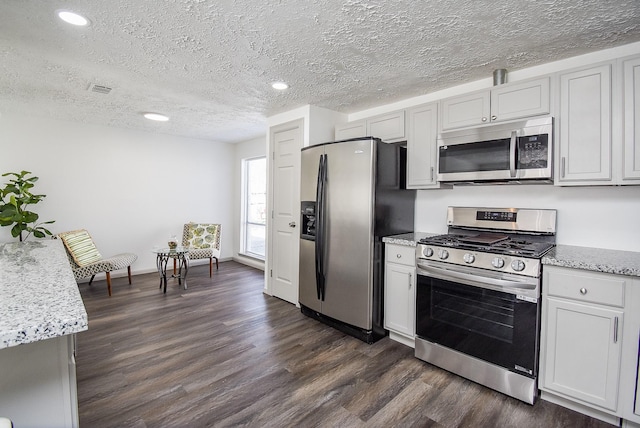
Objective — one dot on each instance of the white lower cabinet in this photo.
(399, 293)
(38, 383)
(587, 347)
(583, 352)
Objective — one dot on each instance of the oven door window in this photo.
(490, 325)
(492, 155)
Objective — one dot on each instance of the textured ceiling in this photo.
(209, 64)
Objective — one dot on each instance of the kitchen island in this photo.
(40, 311)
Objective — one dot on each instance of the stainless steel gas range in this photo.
(478, 294)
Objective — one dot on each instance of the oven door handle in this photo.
(479, 280)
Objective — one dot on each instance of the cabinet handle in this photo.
(398, 256)
(431, 173)
(494, 117)
(583, 291)
(484, 119)
(410, 276)
(562, 167)
(615, 330)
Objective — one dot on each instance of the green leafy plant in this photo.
(15, 197)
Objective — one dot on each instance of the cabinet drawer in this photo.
(400, 254)
(585, 286)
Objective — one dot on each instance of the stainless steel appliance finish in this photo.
(353, 193)
(477, 296)
(479, 371)
(514, 151)
(637, 406)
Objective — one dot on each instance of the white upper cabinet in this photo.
(520, 100)
(422, 147)
(504, 102)
(631, 94)
(388, 127)
(349, 130)
(585, 126)
(466, 110)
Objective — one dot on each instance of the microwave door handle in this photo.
(512, 154)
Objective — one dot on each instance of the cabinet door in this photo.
(582, 352)
(465, 110)
(349, 130)
(38, 383)
(389, 127)
(631, 95)
(585, 126)
(515, 101)
(422, 147)
(399, 299)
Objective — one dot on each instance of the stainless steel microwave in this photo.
(518, 150)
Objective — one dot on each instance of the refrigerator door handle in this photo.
(323, 241)
(319, 242)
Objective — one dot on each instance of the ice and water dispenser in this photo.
(308, 220)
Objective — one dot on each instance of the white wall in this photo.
(245, 150)
(132, 190)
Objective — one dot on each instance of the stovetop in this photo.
(496, 243)
(504, 240)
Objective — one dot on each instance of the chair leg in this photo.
(109, 282)
(217, 267)
(210, 267)
(129, 273)
(91, 280)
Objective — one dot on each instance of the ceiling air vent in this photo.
(101, 89)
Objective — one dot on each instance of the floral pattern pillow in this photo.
(201, 235)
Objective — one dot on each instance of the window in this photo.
(254, 186)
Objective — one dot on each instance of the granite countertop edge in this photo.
(615, 262)
(594, 259)
(407, 239)
(38, 293)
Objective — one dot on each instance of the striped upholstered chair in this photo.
(203, 240)
(86, 261)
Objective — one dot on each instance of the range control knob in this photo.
(497, 262)
(469, 258)
(443, 254)
(517, 265)
(427, 252)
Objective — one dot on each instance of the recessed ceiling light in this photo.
(156, 116)
(73, 18)
(280, 86)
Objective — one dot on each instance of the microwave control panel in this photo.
(533, 151)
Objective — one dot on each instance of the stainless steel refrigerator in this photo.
(352, 194)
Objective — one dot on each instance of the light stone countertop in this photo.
(594, 259)
(586, 258)
(408, 239)
(39, 296)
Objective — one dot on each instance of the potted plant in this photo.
(15, 197)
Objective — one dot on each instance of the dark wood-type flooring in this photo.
(222, 353)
